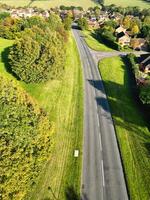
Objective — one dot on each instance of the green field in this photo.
(51, 3)
(125, 3)
(62, 99)
(84, 3)
(94, 43)
(132, 133)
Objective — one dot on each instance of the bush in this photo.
(26, 140)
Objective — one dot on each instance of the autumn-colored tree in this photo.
(25, 138)
(127, 22)
(135, 30)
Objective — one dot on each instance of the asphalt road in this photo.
(102, 173)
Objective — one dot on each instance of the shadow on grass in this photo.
(109, 44)
(5, 60)
(71, 194)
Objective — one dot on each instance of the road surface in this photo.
(102, 173)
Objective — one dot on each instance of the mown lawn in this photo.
(132, 133)
(93, 43)
(63, 102)
(51, 3)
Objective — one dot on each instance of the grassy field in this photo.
(62, 99)
(94, 43)
(51, 3)
(132, 133)
(84, 3)
(140, 3)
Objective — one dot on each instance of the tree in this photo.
(146, 20)
(38, 55)
(83, 24)
(54, 21)
(126, 22)
(26, 140)
(101, 2)
(135, 30)
(145, 94)
(146, 31)
(4, 15)
(67, 23)
(97, 12)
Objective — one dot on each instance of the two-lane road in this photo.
(102, 175)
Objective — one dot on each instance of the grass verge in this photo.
(62, 99)
(132, 133)
(94, 43)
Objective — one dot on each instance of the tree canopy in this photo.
(37, 56)
(26, 140)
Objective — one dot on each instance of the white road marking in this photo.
(100, 142)
(103, 173)
(97, 119)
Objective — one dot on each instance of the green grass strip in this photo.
(132, 133)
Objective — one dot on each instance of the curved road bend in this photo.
(102, 174)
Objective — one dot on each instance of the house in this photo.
(116, 17)
(120, 29)
(104, 16)
(145, 63)
(123, 39)
(77, 14)
(138, 44)
(93, 18)
(63, 14)
(22, 13)
(45, 14)
(93, 24)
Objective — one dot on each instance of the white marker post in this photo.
(76, 153)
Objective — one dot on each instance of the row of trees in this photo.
(26, 140)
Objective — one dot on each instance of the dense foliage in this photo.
(107, 36)
(38, 53)
(145, 94)
(83, 24)
(144, 90)
(25, 140)
(37, 56)
(67, 23)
